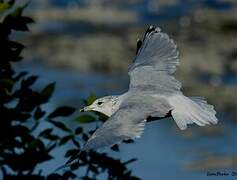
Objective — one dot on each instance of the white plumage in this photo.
(153, 91)
(191, 110)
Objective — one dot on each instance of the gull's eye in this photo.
(99, 103)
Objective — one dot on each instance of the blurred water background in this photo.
(85, 46)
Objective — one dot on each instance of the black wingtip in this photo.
(139, 44)
(149, 30)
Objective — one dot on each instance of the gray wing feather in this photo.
(155, 63)
(147, 79)
(128, 122)
(157, 50)
(150, 74)
(124, 124)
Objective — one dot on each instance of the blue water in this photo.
(163, 152)
(146, 11)
(73, 86)
(224, 80)
(215, 4)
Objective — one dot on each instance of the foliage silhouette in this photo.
(22, 148)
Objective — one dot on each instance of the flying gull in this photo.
(153, 92)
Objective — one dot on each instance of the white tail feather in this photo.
(192, 110)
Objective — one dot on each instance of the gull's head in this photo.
(106, 105)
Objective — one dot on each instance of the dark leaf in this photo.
(91, 131)
(16, 23)
(29, 81)
(85, 137)
(72, 152)
(52, 137)
(130, 161)
(76, 143)
(54, 176)
(4, 6)
(65, 139)
(60, 125)
(46, 132)
(23, 116)
(27, 20)
(94, 169)
(85, 118)
(23, 176)
(16, 48)
(62, 111)
(50, 148)
(68, 175)
(15, 45)
(20, 130)
(88, 178)
(34, 144)
(11, 2)
(90, 99)
(78, 130)
(39, 113)
(48, 90)
(134, 178)
(128, 173)
(7, 83)
(75, 166)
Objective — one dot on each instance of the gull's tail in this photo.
(192, 110)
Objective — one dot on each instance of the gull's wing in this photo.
(155, 62)
(152, 73)
(128, 122)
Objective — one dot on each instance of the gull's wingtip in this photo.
(153, 29)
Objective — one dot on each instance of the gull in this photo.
(153, 92)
